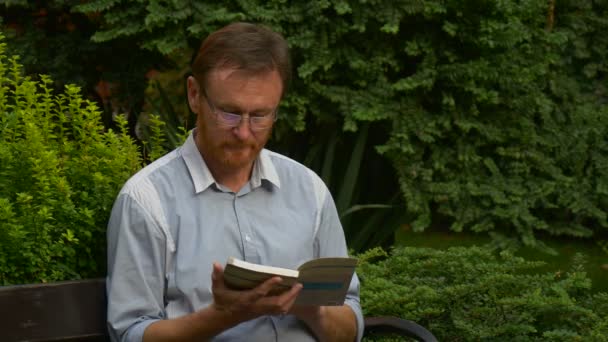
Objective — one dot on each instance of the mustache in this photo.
(239, 145)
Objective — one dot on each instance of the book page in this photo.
(242, 275)
(281, 272)
(329, 262)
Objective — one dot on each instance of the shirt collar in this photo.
(199, 172)
(263, 168)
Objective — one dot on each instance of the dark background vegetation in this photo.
(491, 113)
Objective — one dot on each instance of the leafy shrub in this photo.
(53, 40)
(59, 175)
(497, 109)
(471, 294)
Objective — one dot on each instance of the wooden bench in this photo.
(76, 311)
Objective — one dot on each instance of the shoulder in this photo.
(284, 164)
(142, 186)
(141, 202)
(296, 174)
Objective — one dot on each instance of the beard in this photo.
(236, 155)
(227, 153)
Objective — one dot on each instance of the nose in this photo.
(243, 130)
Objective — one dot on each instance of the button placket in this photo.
(247, 242)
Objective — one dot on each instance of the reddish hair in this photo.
(243, 46)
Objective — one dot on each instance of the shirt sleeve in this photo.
(136, 262)
(330, 242)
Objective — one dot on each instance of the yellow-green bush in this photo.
(59, 174)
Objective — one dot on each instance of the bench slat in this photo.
(76, 311)
(61, 311)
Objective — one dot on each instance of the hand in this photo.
(249, 304)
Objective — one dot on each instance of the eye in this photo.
(229, 117)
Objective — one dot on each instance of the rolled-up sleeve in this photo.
(136, 275)
(330, 242)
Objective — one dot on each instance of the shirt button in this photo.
(247, 238)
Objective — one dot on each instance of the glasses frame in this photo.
(227, 117)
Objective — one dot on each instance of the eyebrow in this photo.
(234, 109)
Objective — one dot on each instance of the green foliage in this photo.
(603, 245)
(53, 40)
(166, 96)
(59, 175)
(471, 294)
(155, 143)
(497, 109)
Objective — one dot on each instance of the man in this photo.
(221, 194)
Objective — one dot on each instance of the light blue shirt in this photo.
(171, 221)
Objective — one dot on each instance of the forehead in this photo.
(245, 89)
(240, 77)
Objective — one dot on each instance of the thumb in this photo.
(217, 277)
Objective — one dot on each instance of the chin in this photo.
(239, 160)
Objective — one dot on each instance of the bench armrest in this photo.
(399, 326)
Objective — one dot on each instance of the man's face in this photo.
(233, 149)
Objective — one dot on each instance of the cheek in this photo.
(262, 141)
(213, 136)
(262, 138)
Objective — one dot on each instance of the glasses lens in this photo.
(228, 119)
(261, 122)
(256, 123)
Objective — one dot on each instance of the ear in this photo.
(194, 94)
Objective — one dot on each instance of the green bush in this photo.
(471, 294)
(53, 40)
(59, 175)
(496, 109)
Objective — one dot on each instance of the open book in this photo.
(325, 280)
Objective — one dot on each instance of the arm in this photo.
(229, 308)
(329, 323)
(335, 323)
(200, 325)
(136, 270)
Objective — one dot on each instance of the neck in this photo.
(232, 177)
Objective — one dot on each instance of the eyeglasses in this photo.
(257, 121)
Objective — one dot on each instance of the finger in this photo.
(217, 276)
(286, 300)
(263, 289)
(289, 297)
(260, 293)
(281, 304)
